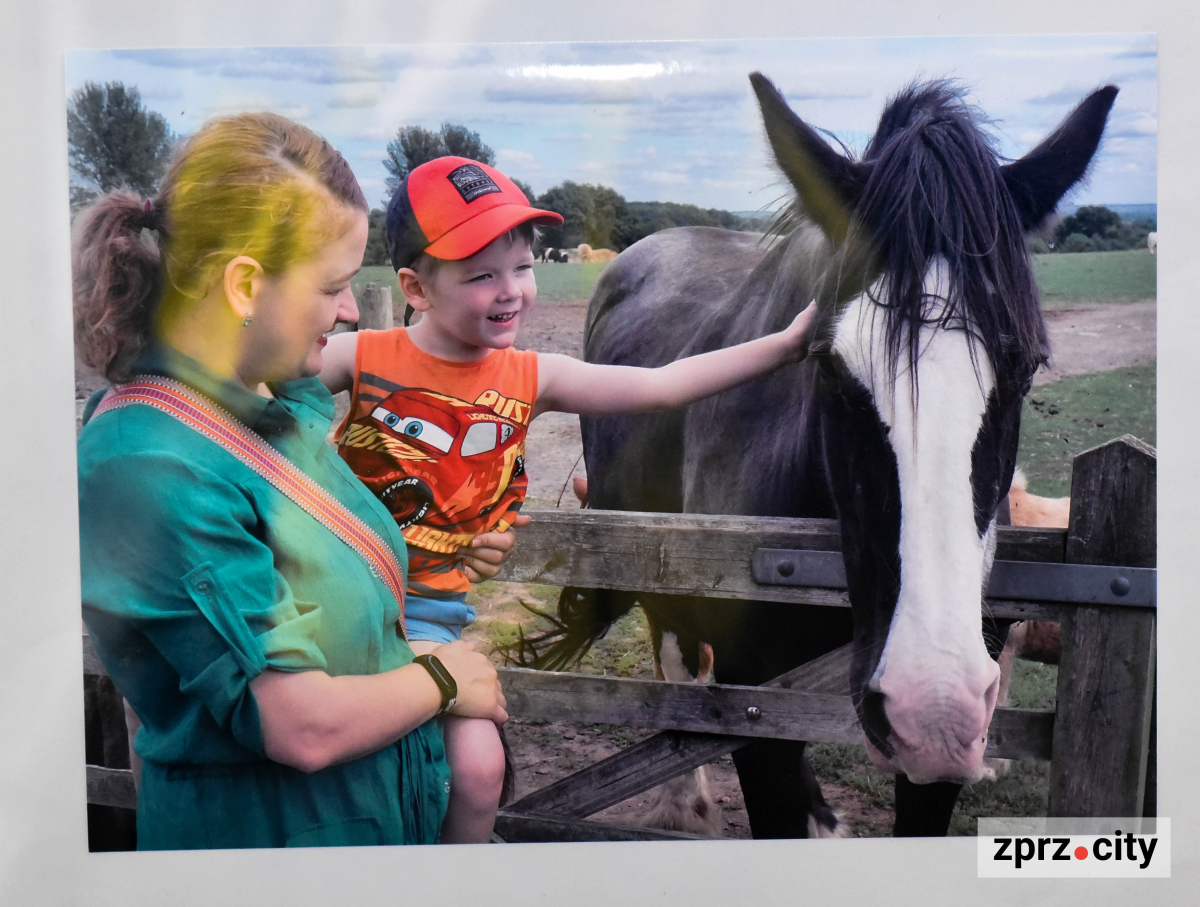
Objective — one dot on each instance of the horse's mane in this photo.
(935, 189)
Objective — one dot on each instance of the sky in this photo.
(657, 121)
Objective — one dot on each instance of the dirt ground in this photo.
(1087, 338)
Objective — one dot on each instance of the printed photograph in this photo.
(615, 441)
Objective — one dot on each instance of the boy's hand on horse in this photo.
(566, 384)
(484, 557)
(798, 334)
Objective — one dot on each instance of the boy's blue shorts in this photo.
(437, 620)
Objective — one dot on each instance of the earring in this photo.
(247, 320)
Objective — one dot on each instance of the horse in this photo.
(902, 423)
(1152, 242)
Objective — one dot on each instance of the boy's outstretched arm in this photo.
(571, 386)
(337, 362)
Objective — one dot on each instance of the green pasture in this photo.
(1069, 279)
(559, 282)
(381, 276)
(1072, 415)
(1063, 279)
(556, 282)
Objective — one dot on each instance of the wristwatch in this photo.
(443, 679)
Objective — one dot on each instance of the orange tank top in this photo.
(441, 444)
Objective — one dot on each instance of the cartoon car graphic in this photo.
(439, 461)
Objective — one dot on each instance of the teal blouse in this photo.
(197, 576)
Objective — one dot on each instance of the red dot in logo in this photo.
(1081, 853)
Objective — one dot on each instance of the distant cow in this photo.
(587, 253)
(554, 255)
(1152, 242)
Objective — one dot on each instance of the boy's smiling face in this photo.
(475, 305)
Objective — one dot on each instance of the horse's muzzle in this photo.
(939, 733)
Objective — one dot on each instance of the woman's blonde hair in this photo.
(256, 184)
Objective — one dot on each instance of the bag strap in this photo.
(220, 426)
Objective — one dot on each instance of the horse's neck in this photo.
(776, 289)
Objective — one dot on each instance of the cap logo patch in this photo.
(471, 182)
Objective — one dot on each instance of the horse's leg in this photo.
(685, 803)
(782, 794)
(924, 810)
(754, 643)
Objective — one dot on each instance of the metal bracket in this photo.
(1014, 580)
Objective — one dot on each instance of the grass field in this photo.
(556, 282)
(1067, 279)
(1064, 280)
(381, 276)
(1069, 416)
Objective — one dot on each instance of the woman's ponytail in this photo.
(117, 280)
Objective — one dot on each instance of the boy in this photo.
(439, 410)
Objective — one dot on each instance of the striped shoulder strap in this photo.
(220, 426)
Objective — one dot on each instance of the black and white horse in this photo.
(902, 423)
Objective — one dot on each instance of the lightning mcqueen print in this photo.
(446, 469)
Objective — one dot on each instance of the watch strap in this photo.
(443, 678)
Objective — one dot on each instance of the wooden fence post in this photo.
(374, 308)
(1106, 673)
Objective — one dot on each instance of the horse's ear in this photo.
(1042, 177)
(829, 184)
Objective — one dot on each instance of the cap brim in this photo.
(470, 236)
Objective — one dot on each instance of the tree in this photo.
(573, 201)
(1092, 221)
(462, 142)
(414, 146)
(524, 187)
(113, 141)
(376, 252)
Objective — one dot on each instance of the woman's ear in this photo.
(413, 289)
(243, 282)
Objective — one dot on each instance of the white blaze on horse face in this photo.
(938, 681)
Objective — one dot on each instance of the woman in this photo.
(263, 652)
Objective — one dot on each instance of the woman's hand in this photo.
(798, 334)
(484, 557)
(479, 693)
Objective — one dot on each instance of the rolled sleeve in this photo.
(176, 555)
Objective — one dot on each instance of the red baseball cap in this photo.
(452, 207)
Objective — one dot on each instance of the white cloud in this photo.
(515, 159)
(234, 103)
(610, 72)
(374, 134)
(359, 96)
(667, 178)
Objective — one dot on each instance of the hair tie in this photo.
(148, 207)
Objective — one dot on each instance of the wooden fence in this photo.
(1096, 578)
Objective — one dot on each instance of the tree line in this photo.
(114, 141)
(593, 214)
(1095, 228)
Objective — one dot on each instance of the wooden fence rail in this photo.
(1096, 577)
